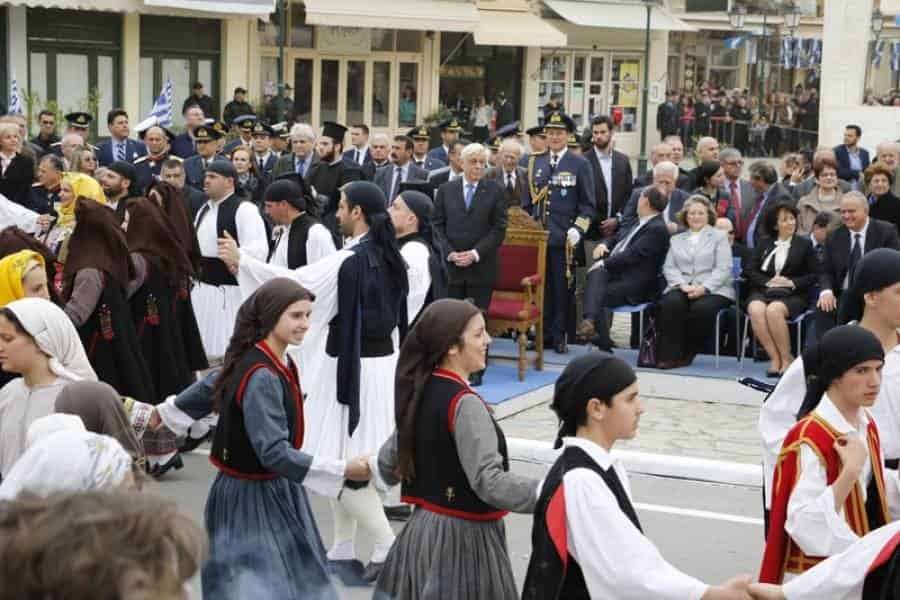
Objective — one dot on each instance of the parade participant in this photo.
(95, 282)
(74, 188)
(23, 275)
(38, 342)
(411, 215)
(156, 315)
(45, 193)
(449, 133)
(263, 157)
(450, 455)
(177, 211)
(560, 195)
(216, 297)
(257, 514)
(829, 483)
(206, 139)
(872, 301)
(587, 541)
(299, 238)
(361, 293)
(117, 181)
(867, 569)
(149, 167)
(14, 240)
(420, 137)
(330, 173)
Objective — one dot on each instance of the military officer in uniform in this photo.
(449, 133)
(537, 143)
(281, 139)
(78, 123)
(158, 140)
(560, 195)
(263, 156)
(245, 125)
(421, 158)
(207, 138)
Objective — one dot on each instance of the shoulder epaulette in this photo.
(55, 144)
(38, 184)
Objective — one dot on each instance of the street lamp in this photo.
(737, 16)
(792, 18)
(877, 23)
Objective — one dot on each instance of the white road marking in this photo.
(699, 514)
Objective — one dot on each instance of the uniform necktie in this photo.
(120, 151)
(509, 183)
(420, 164)
(262, 166)
(855, 255)
(470, 191)
(554, 158)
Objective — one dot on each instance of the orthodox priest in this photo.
(329, 174)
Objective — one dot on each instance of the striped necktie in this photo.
(120, 150)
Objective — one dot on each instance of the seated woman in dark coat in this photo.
(780, 275)
(883, 203)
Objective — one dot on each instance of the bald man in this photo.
(707, 149)
(661, 152)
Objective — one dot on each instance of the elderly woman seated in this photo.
(698, 284)
(781, 272)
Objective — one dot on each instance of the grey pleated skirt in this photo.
(438, 557)
(264, 543)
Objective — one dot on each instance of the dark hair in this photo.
(764, 171)
(825, 218)
(406, 141)
(822, 164)
(197, 85)
(603, 120)
(363, 126)
(173, 163)
(46, 113)
(256, 318)
(855, 128)
(770, 219)
(55, 162)
(453, 146)
(656, 198)
(877, 168)
(114, 114)
(14, 320)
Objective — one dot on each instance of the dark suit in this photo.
(350, 157)
(513, 197)
(481, 227)
(440, 177)
(845, 171)
(288, 164)
(15, 182)
(622, 186)
(836, 262)
(195, 171)
(800, 266)
(148, 169)
(760, 203)
(745, 195)
(629, 213)
(667, 119)
(683, 181)
(628, 276)
(134, 149)
(183, 145)
(384, 177)
(439, 153)
(429, 164)
(267, 167)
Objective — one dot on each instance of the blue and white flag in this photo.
(877, 52)
(750, 52)
(162, 109)
(733, 43)
(787, 52)
(895, 56)
(815, 53)
(798, 61)
(15, 99)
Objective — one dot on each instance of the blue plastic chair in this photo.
(631, 309)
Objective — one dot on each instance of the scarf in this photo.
(152, 237)
(98, 242)
(13, 269)
(84, 187)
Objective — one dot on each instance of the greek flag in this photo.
(15, 100)
(733, 43)
(798, 54)
(895, 56)
(750, 54)
(815, 53)
(162, 109)
(877, 53)
(787, 52)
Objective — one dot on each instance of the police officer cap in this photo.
(79, 120)
(207, 133)
(450, 125)
(573, 141)
(494, 143)
(245, 122)
(220, 127)
(285, 190)
(536, 130)
(510, 130)
(419, 133)
(223, 167)
(262, 129)
(335, 131)
(559, 120)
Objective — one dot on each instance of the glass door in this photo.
(596, 100)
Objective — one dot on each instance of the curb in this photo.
(659, 465)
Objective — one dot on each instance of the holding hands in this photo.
(357, 469)
(736, 588)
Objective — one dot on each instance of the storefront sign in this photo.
(344, 40)
(463, 71)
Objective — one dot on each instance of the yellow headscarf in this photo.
(83, 186)
(12, 270)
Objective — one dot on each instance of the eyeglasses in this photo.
(48, 123)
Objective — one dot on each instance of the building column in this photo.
(659, 64)
(235, 57)
(531, 66)
(131, 66)
(17, 46)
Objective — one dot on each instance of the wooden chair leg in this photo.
(523, 354)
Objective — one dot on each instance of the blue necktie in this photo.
(470, 191)
(301, 164)
(120, 151)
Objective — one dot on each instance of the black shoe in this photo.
(475, 379)
(351, 572)
(561, 347)
(373, 570)
(174, 463)
(401, 512)
(189, 444)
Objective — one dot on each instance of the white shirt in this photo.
(319, 244)
(5, 160)
(605, 160)
(617, 560)
(453, 176)
(404, 174)
(862, 248)
(250, 229)
(416, 255)
(558, 155)
(779, 254)
(361, 153)
(509, 176)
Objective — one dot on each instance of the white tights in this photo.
(362, 506)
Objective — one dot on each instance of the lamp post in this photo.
(642, 158)
(877, 26)
(282, 39)
(737, 16)
(792, 21)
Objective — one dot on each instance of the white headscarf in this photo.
(56, 336)
(50, 424)
(68, 461)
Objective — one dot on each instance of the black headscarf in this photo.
(422, 206)
(875, 271)
(839, 350)
(97, 242)
(439, 327)
(596, 375)
(287, 191)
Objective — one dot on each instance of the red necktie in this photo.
(736, 202)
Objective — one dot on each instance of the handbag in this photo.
(647, 350)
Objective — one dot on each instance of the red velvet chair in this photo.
(518, 299)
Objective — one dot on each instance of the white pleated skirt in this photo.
(216, 307)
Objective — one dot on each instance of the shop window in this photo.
(625, 92)
(409, 83)
(381, 92)
(552, 84)
(328, 108)
(356, 85)
(303, 88)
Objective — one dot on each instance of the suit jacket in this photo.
(268, 166)
(747, 196)
(499, 175)
(194, 172)
(439, 178)
(134, 149)
(384, 177)
(481, 228)
(880, 234)
(630, 217)
(843, 161)
(682, 183)
(639, 263)
(439, 153)
(183, 145)
(800, 266)
(350, 155)
(285, 164)
(622, 186)
(429, 164)
(16, 182)
(370, 168)
(707, 263)
(777, 193)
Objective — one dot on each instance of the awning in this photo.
(614, 15)
(420, 15)
(110, 5)
(516, 28)
(246, 8)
